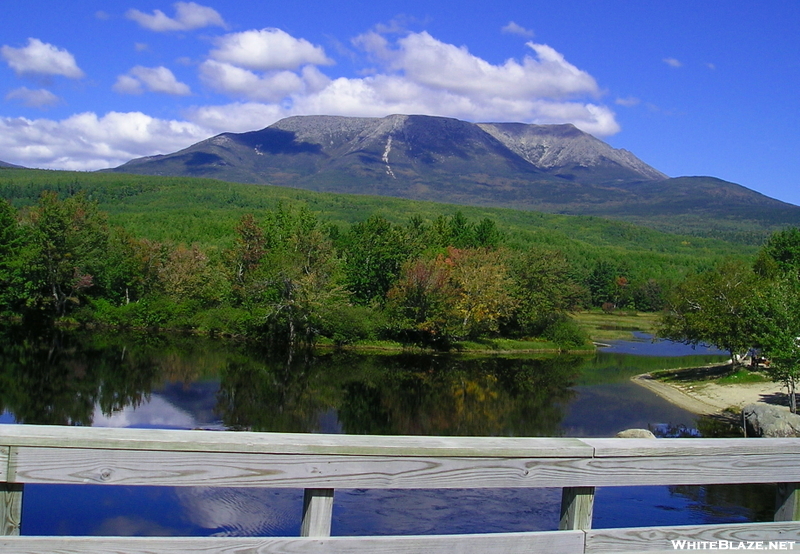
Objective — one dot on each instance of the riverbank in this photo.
(707, 397)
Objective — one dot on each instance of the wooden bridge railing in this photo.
(322, 463)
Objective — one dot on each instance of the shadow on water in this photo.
(128, 380)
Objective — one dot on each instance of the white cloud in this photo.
(39, 98)
(272, 86)
(236, 117)
(188, 16)
(41, 58)
(85, 141)
(270, 75)
(267, 50)
(515, 29)
(628, 101)
(672, 62)
(153, 79)
(426, 61)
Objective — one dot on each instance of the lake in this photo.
(187, 382)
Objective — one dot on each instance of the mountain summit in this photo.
(553, 168)
(305, 151)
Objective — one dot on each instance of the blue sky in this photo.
(690, 87)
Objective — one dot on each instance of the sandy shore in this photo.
(709, 398)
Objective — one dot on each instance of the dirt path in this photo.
(712, 398)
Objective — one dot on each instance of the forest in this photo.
(297, 267)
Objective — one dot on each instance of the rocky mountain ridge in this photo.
(551, 168)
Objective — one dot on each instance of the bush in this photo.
(566, 333)
(346, 324)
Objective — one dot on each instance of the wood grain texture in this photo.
(647, 539)
(4, 453)
(119, 467)
(577, 507)
(46, 465)
(10, 509)
(289, 443)
(787, 502)
(317, 513)
(623, 448)
(562, 542)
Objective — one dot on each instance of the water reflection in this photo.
(129, 380)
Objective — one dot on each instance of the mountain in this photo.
(5, 165)
(552, 168)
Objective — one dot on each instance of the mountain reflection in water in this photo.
(187, 382)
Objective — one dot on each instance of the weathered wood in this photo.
(577, 506)
(659, 539)
(91, 466)
(787, 502)
(10, 509)
(289, 443)
(638, 448)
(4, 455)
(68, 455)
(119, 467)
(563, 542)
(317, 513)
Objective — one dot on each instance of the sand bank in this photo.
(710, 398)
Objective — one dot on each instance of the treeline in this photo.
(746, 308)
(289, 277)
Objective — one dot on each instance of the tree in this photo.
(374, 253)
(70, 241)
(716, 307)
(11, 242)
(462, 294)
(484, 287)
(779, 335)
(420, 304)
(544, 289)
(783, 247)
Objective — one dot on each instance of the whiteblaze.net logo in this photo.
(733, 545)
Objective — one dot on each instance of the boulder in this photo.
(635, 434)
(766, 420)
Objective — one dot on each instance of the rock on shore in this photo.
(765, 420)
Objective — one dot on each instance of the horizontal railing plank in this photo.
(289, 443)
(44, 465)
(621, 448)
(561, 542)
(648, 539)
(122, 467)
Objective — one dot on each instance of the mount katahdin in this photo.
(551, 168)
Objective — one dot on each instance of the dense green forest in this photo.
(293, 266)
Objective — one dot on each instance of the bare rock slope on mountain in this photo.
(553, 168)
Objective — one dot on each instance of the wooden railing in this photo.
(322, 463)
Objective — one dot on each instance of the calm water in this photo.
(190, 382)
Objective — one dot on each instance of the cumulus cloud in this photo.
(268, 74)
(87, 141)
(188, 16)
(39, 98)
(153, 79)
(672, 62)
(233, 80)
(41, 58)
(416, 73)
(430, 62)
(515, 29)
(267, 50)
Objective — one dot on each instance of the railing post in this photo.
(577, 504)
(317, 513)
(787, 502)
(10, 508)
